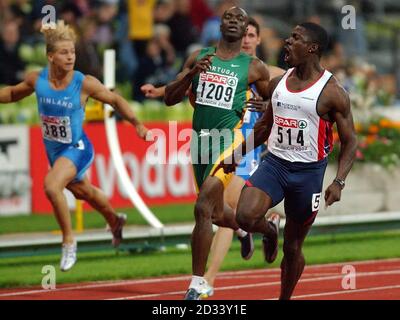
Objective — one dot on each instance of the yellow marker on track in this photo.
(79, 216)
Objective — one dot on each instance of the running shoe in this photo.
(270, 245)
(247, 246)
(68, 256)
(192, 294)
(207, 291)
(117, 231)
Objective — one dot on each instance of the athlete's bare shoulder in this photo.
(89, 80)
(191, 59)
(336, 97)
(258, 70)
(90, 84)
(257, 62)
(31, 78)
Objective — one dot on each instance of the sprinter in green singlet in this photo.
(219, 78)
(220, 97)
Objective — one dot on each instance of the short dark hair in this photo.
(317, 35)
(255, 24)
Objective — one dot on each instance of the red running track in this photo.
(377, 279)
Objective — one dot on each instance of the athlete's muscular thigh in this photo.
(252, 206)
(232, 192)
(62, 172)
(82, 189)
(210, 199)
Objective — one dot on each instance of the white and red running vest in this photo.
(298, 133)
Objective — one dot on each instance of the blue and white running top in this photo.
(60, 111)
(62, 115)
(252, 159)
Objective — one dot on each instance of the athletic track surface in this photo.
(377, 279)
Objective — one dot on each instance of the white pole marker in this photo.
(114, 146)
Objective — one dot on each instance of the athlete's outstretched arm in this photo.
(19, 91)
(95, 89)
(341, 114)
(176, 90)
(152, 92)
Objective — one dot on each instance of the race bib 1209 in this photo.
(216, 90)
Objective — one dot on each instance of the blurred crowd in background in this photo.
(153, 38)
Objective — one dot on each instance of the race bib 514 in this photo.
(291, 134)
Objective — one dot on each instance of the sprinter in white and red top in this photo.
(298, 132)
(305, 102)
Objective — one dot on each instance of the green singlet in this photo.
(220, 96)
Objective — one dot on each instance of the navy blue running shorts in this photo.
(81, 154)
(300, 184)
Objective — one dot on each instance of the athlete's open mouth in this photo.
(233, 28)
(287, 52)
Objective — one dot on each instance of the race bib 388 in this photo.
(56, 128)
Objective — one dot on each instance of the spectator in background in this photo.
(140, 13)
(104, 34)
(87, 57)
(4, 10)
(19, 12)
(156, 65)
(70, 13)
(200, 12)
(11, 65)
(126, 55)
(183, 32)
(353, 40)
(83, 7)
(162, 34)
(163, 11)
(271, 43)
(211, 31)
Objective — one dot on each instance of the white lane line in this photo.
(346, 292)
(261, 284)
(264, 276)
(107, 284)
(98, 285)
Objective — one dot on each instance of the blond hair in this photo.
(57, 32)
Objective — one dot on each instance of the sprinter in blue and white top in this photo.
(252, 159)
(62, 94)
(62, 115)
